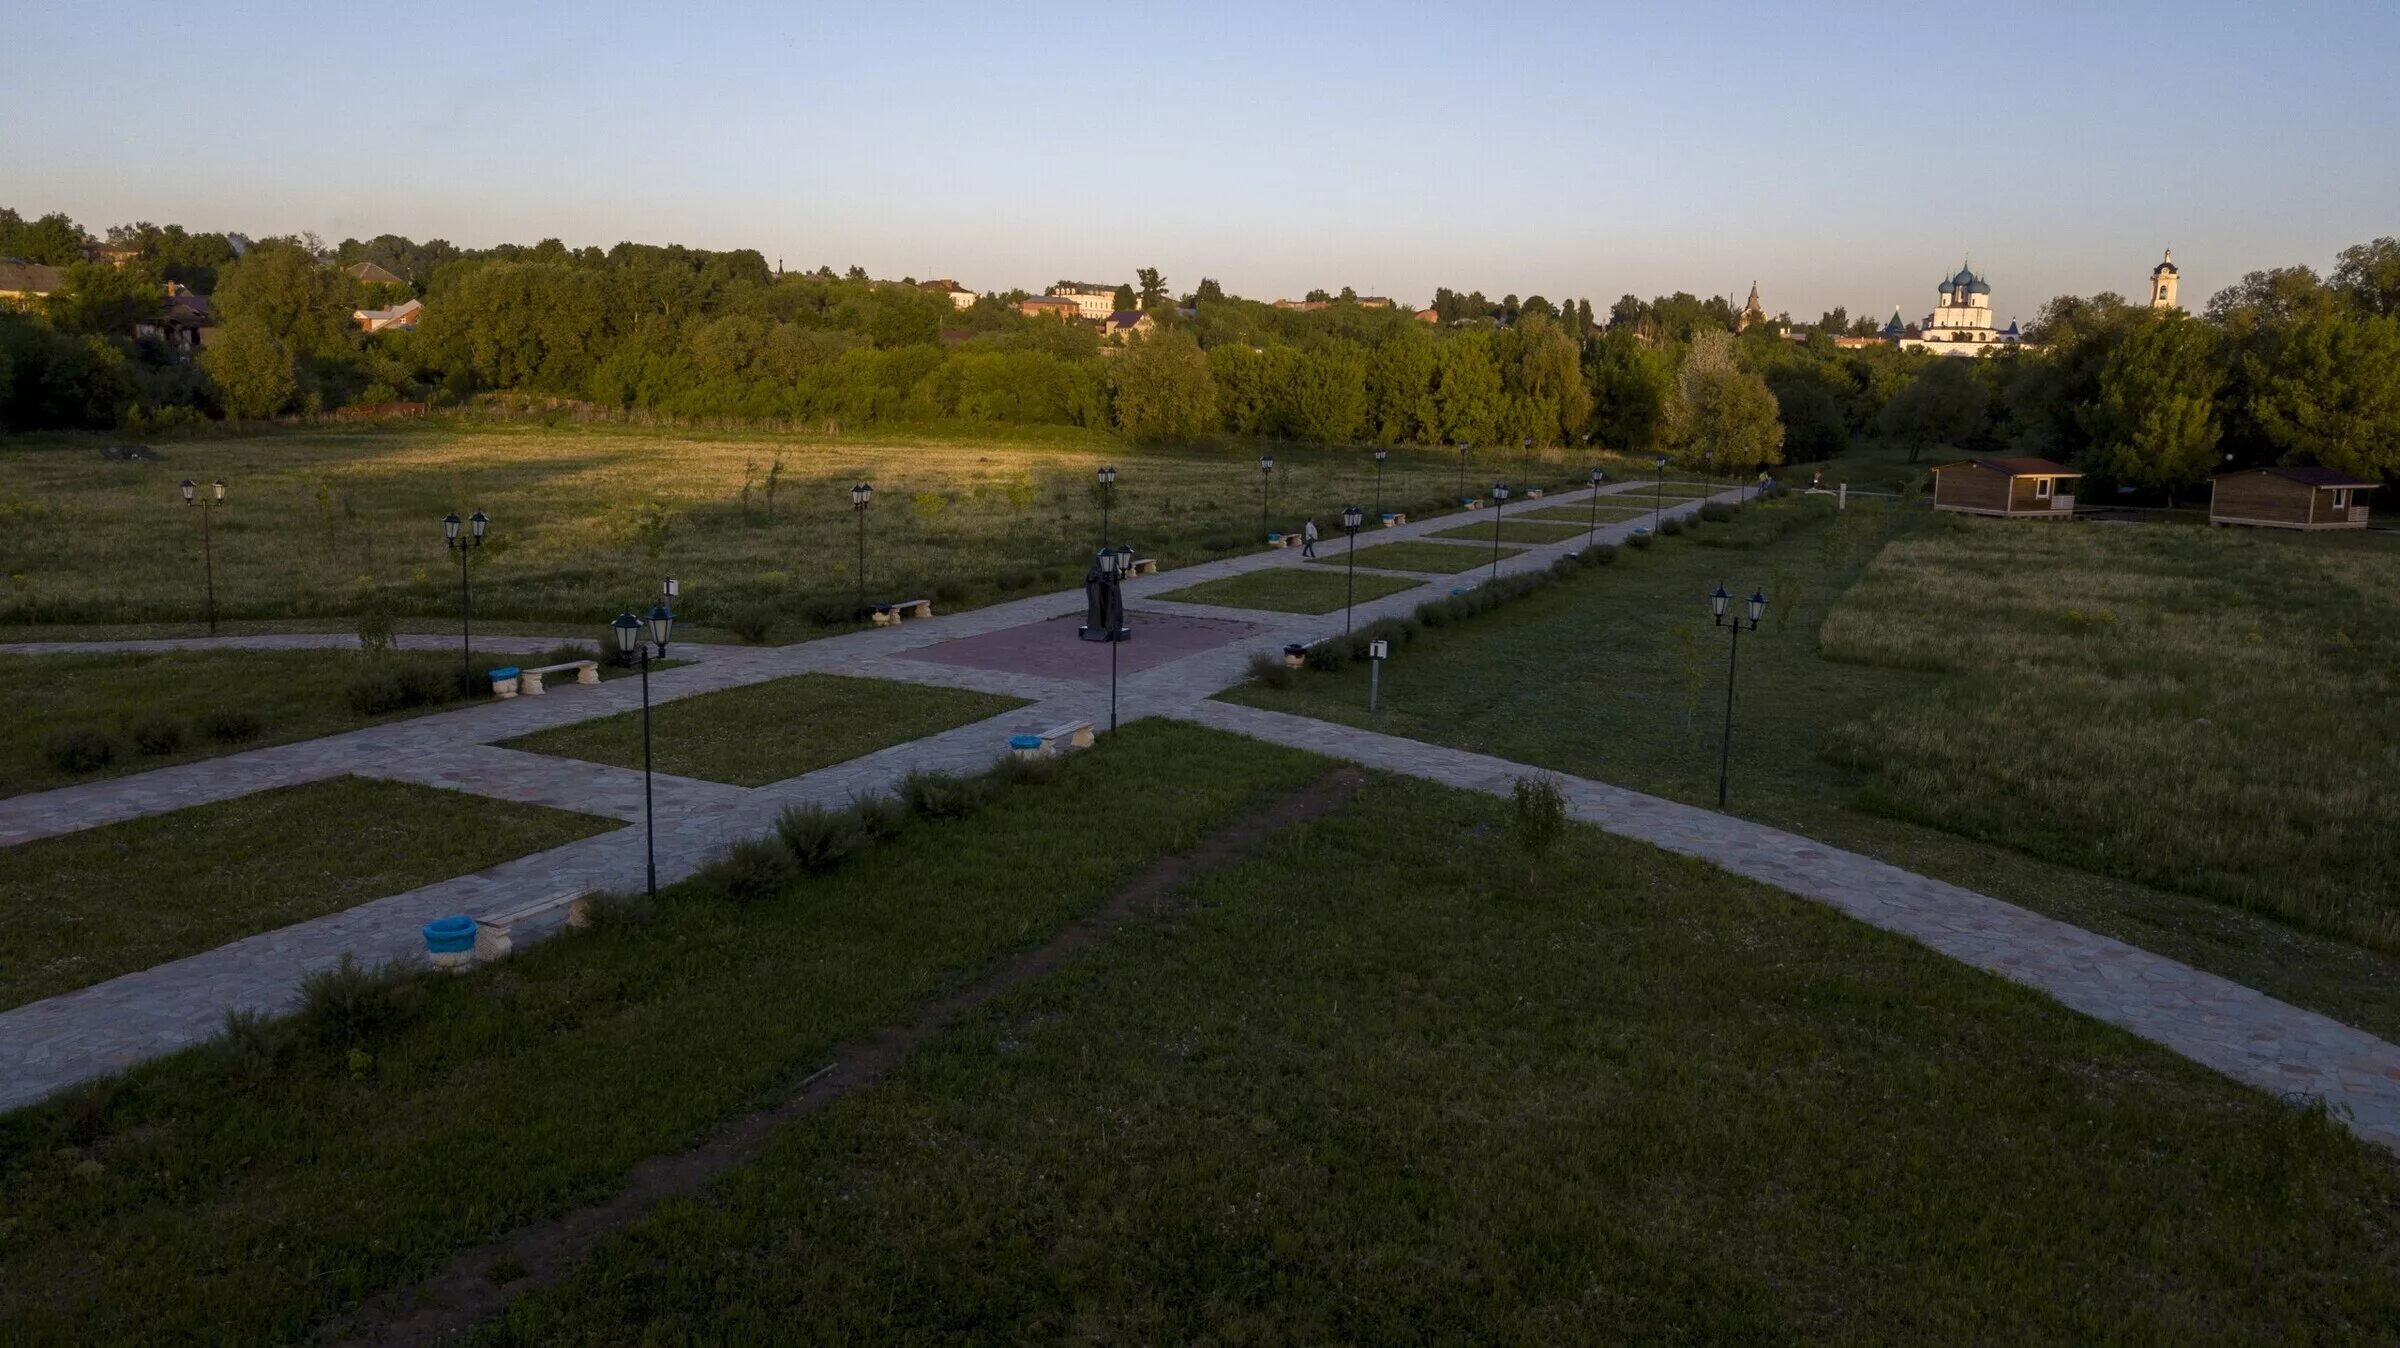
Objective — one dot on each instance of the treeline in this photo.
(2283, 367)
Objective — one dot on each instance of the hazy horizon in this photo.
(1845, 160)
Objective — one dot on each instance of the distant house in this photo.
(181, 326)
(1429, 315)
(114, 254)
(400, 317)
(1091, 299)
(960, 296)
(367, 273)
(1302, 306)
(2017, 489)
(1047, 306)
(27, 282)
(1126, 324)
(2290, 498)
(1374, 302)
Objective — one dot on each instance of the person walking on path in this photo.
(1308, 537)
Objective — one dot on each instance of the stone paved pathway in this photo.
(48, 1045)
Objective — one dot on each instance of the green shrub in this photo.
(1013, 578)
(831, 610)
(375, 629)
(751, 622)
(750, 871)
(254, 1047)
(156, 734)
(879, 818)
(78, 750)
(1599, 554)
(1670, 527)
(349, 1005)
(818, 839)
(230, 725)
(1325, 657)
(618, 909)
(1032, 770)
(1717, 512)
(1638, 541)
(1268, 668)
(943, 795)
(1537, 816)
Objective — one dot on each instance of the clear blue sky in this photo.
(1839, 153)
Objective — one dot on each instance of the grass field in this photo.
(84, 907)
(1643, 707)
(1512, 530)
(586, 520)
(2208, 710)
(1289, 589)
(1609, 512)
(766, 732)
(214, 702)
(226, 1196)
(1431, 558)
(1373, 1086)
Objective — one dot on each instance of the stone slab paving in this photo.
(2220, 1024)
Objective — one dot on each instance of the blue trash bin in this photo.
(453, 935)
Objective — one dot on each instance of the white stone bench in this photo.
(529, 681)
(492, 933)
(1394, 520)
(1533, 493)
(1475, 503)
(1061, 738)
(1145, 566)
(889, 615)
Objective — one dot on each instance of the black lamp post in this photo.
(1112, 576)
(1108, 496)
(860, 495)
(631, 632)
(1352, 517)
(208, 555)
(1717, 603)
(1379, 457)
(1499, 499)
(1658, 504)
(1462, 472)
(1591, 535)
(1266, 472)
(472, 539)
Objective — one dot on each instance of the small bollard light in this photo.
(1378, 651)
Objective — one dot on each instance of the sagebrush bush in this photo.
(1268, 668)
(156, 734)
(950, 591)
(1717, 512)
(1638, 541)
(78, 749)
(818, 839)
(1014, 771)
(880, 818)
(350, 1005)
(943, 795)
(1599, 554)
(751, 622)
(230, 725)
(1670, 527)
(750, 871)
(618, 909)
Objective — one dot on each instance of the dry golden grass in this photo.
(2204, 710)
(318, 525)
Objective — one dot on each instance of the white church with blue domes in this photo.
(1961, 323)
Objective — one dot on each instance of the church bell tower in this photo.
(2162, 283)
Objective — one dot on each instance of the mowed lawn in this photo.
(765, 732)
(1645, 700)
(1511, 530)
(247, 1192)
(1386, 1081)
(1430, 558)
(1290, 589)
(2208, 709)
(214, 703)
(318, 524)
(85, 907)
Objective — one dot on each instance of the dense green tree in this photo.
(300, 302)
(1946, 405)
(1329, 393)
(2330, 394)
(1466, 392)
(1125, 298)
(2369, 273)
(1721, 414)
(1813, 425)
(1162, 389)
(2154, 423)
(1209, 290)
(53, 240)
(1400, 378)
(102, 298)
(1629, 381)
(54, 380)
(251, 368)
(1152, 292)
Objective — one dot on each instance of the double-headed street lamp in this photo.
(860, 495)
(1108, 496)
(472, 539)
(631, 632)
(1499, 499)
(1109, 607)
(1379, 457)
(1593, 533)
(1266, 473)
(208, 555)
(1658, 504)
(1352, 517)
(1717, 603)
(1462, 471)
